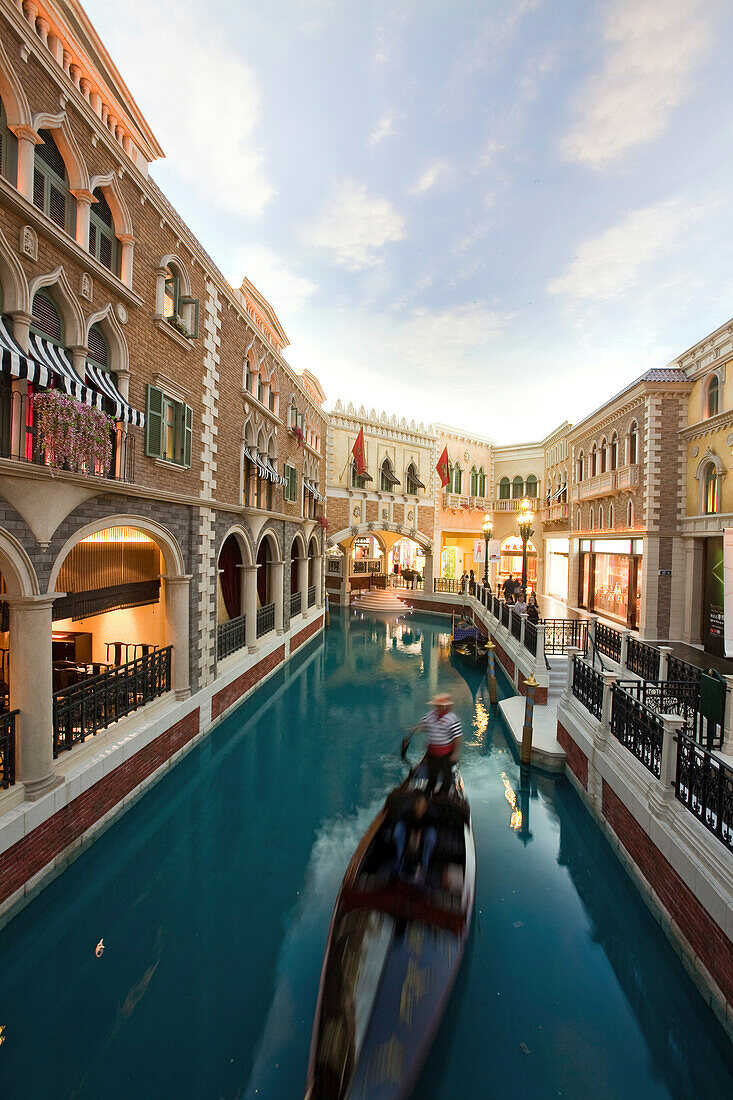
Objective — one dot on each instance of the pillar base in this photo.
(251, 648)
(182, 693)
(36, 789)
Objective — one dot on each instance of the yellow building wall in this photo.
(377, 449)
(716, 442)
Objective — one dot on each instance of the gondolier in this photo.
(444, 731)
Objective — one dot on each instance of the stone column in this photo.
(278, 575)
(250, 606)
(127, 241)
(177, 631)
(243, 589)
(522, 626)
(79, 359)
(84, 200)
(31, 690)
(318, 579)
(539, 661)
(609, 679)
(429, 574)
(27, 141)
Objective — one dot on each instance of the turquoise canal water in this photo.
(214, 893)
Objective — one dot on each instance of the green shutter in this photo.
(154, 423)
(188, 301)
(188, 435)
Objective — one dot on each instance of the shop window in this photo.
(633, 444)
(713, 400)
(47, 319)
(180, 310)
(103, 244)
(168, 428)
(614, 451)
(531, 489)
(711, 490)
(517, 488)
(51, 183)
(505, 488)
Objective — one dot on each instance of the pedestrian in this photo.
(444, 733)
(518, 590)
(472, 583)
(508, 589)
(520, 605)
(464, 583)
(533, 609)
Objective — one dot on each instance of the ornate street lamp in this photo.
(488, 530)
(525, 530)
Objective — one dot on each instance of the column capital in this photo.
(183, 578)
(24, 132)
(45, 599)
(81, 194)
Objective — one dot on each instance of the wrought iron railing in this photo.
(7, 749)
(642, 659)
(530, 638)
(265, 619)
(517, 626)
(637, 728)
(334, 565)
(311, 595)
(446, 584)
(680, 697)
(588, 687)
(677, 669)
(563, 634)
(296, 601)
(83, 709)
(417, 582)
(230, 636)
(505, 615)
(118, 597)
(608, 641)
(705, 787)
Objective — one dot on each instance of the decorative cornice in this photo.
(707, 427)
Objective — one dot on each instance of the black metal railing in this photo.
(230, 637)
(82, 710)
(608, 641)
(296, 602)
(379, 580)
(20, 441)
(588, 687)
(704, 785)
(680, 697)
(334, 565)
(7, 749)
(446, 584)
(530, 638)
(505, 615)
(564, 634)
(117, 597)
(637, 728)
(416, 582)
(265, 619)
(311, 595)
(677, 669)
(517, 626)
(642, 659)
(495, 605)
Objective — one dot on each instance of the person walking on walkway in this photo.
(444, 732)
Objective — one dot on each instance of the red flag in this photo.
(442, 469)
(358, 452)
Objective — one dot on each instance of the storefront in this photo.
(406, 554)
(712, 607)
(610, 579)
(366, 555)
(557, 553)
(511, 560)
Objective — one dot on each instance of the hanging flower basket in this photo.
(73, 435)
(322, 522)
(299, 437)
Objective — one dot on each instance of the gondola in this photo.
(393, 952)
(468, 644)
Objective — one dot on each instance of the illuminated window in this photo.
(711, 490)
(713, 401)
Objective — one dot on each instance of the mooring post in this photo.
(526, 753)
(493, 697)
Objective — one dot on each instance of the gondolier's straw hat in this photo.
(442, 699)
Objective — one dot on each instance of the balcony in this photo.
(466, 503)
(556, 513)
(626, 477)
(513, 504)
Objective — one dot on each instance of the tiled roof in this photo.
(664, 374)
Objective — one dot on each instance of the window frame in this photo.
(101, 229)
(290, 473)
(167, 414)
(51, 179)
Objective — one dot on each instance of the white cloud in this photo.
(355, 227)
(285, 290)
(426, 334)
(428, 179)
(610, 264)
(653, 47)
(201, 100)
(383, 129)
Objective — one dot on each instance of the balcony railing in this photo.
(513, 504)
(625, 477)
(82, 710)
(118, 597)
(447, 584)
(705, 787)
(265, 619)
(638, 728)
(296, 600)
(679, 697)
(230, 637)
(642, 659)
(7, 749)
(552, 513)
(311, 595)
(466, 501)
(19, 442)
(588, 687)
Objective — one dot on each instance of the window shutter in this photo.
(57, 206)
(105, 251)
(154, 423)
(193, 324)
(92, 238)
(188, 435)
(39, 188)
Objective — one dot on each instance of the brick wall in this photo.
(303, 636)
(576, 758)
(229, 695)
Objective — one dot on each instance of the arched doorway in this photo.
(25, 685)
(511, 560)
(314, 572)
(230, 631)
(298, 577)
(269, 586)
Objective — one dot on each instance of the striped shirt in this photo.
(442, 731)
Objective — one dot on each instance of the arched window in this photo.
(457, 478)
(103, 243)
(179, 308)
(8, 149)
(47, 319)
(387, 479)
(711, 490)
(600, 517)
(713, 401)
(581, 458)
(505, 488)
(630, 514)
(579, 519)
(517, 488)
(594, 461)
(610, 516)
(260, 387)
(98, 349)
(633, 444)
(531, 490)
(481, 482)
(474, 481)
(614, 451)
(51, 183)
(247, 376)
(564, 496)
(412, 478)
(603, 455)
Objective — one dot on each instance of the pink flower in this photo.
(72, 434)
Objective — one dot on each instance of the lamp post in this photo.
(488, 529)
(525, 530)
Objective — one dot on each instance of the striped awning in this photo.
(312, 490)
(104, 382)
(271, 471)
(15, 362)
(58, 364)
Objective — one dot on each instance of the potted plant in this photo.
(299, 437)
(176, 322)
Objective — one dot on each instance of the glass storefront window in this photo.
(611, 585)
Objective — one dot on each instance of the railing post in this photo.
(672, 724)
(625, 635)
(609, 679)
(539, 659)
(509, 620)
(664, 652)
(572, 652)
(493, 696)
(592, 624)
(522, 627)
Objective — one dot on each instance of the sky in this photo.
(488, 214)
